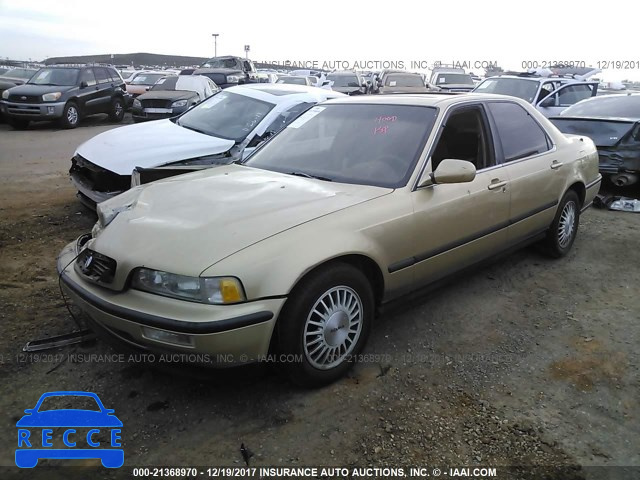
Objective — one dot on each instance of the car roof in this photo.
(425, 100)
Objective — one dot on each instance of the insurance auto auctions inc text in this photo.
(381, 64)
(367, 472)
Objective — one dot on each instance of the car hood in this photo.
(167, 95)
(69, 418)
(29, 89)
(203, 217)
(148, 145)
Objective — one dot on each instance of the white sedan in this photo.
(222, 129)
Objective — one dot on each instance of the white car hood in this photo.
(149, 144)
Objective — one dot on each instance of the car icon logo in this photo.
(23, 98)
(87, 263)
(88, 433)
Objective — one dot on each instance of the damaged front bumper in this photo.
(225, 335)
(94, 183)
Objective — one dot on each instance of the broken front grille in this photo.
(97, 178)
(95, 266)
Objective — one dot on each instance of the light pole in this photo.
(215, 43)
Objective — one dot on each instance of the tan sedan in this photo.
(355, 203)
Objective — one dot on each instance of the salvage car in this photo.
(347, 82)
(357, 202)
(220, 130)
(613, 123)
(143, 82)
(451, 80)
(171, 96)
(17, 76)
(295, 80)
(550, 95)
(65, 94)
(398, 81)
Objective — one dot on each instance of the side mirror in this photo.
(83, 84)
(450, 171)
(147, 89)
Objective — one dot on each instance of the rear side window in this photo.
(102, 76)
(114, 75)
(520, 135)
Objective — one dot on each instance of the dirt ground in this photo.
(529, 361)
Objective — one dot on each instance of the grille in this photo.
(95, 266)
(156, 103)
(27, 98)
(98, 178)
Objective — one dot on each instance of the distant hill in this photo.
(130, 59)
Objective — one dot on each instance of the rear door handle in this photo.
(496, 183)
(556, 164)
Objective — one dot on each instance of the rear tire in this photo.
(564, 228)
(117, 110)
(18, 124)
(324, 325)
(70, 116)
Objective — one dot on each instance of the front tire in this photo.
(564, 228)
(116, 113)
(325, 324)
(70, 116)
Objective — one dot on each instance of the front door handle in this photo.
(496, 183)
(556, 164)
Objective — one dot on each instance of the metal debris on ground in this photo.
(59, 341)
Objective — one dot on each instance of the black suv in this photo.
(66, 94)
(228, 71)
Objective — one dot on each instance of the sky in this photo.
(471, 33)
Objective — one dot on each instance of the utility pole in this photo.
(215, 44)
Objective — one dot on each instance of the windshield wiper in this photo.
(306, 175)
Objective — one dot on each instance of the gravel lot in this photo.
(526, 362)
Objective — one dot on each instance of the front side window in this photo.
(350, 143)
(571, 95)
(519, 133)
(87, 76)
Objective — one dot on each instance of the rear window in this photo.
(515, 87)
(625, 106)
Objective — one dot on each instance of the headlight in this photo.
(213, 290)
(109, 209)
(51, 97)
(233, 78)
(5, 94)
(180, 103)
(137, 104)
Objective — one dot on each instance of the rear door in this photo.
(536, 176)
(105, 89)
(565, 96)
(88, 95)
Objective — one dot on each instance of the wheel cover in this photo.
(118, 108)
(72, 115)
(333, 327)
(566, 225)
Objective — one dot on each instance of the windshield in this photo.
(19, 73)
(55, 76)
(344, 80)
(350, 143)
(147, 78)
(226, 115)
(168, 83)
(73, 402)
(454, 79)
(221, 63)
(401, 80)
(624, 106)
(293, 80)
(515, 87)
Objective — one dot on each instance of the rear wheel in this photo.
(70, 116)
(564, 228)
(117, 110)
(325, 324)
(18, 123)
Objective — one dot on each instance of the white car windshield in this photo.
(226, 115)
(350, 143)
(515, 87)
